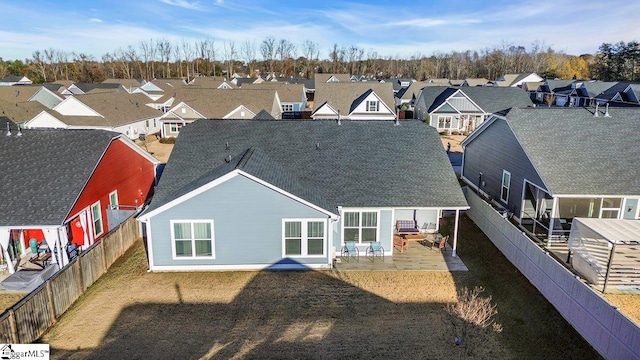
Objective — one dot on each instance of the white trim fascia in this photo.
(223, 179)
(31, 227)
(251, 267)
(326, 103)
(72, 99)
(595, 196)
(139, 150)
(45, 113)
(379, 113)
(174, 113)
(239, 108)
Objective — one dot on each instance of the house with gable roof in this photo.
(288, 194)
(354, 101)
(547, 166)
(465, 108)
(11, 80)
(193, 103)
(517, 80)
(113, 110)
(71, 186)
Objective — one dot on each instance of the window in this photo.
(303, 237)
(287, 107)
(175, 127)
(360, 226)
(444, 122)
(506, 184)
(373, 105)
(96, 214)
(192, 238)
(610, 208)
(113, 199)
(146, 123)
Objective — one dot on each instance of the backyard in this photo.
(376, 314)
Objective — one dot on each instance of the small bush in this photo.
(168, 140)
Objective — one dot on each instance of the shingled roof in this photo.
(217, 103)
(358, 163)
(44, 172)
(341, 96)
(577, 153)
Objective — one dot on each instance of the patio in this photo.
(416, 258)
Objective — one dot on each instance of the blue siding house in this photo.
(251, 194)
(547, 166)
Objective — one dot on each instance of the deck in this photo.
(416, 258)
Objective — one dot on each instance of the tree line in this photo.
(162, 58)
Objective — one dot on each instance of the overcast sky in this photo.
(392, 28)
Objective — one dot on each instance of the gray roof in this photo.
(343, 96)
(593, 88)
(44, 171)
(357, 163)
(488, 98)
(576, 153)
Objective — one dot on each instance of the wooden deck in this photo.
(416, 258)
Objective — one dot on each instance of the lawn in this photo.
(134, 314)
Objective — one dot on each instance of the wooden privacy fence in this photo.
(28, 319)
(608, 330)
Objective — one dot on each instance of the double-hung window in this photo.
(360, 226)
(303, 237)
(175, 127)
(192, 238)
(287, 107)
(506, 184)
(373, 105)
(444, 122)
(96, 214)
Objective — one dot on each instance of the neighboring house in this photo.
(113, 110)
(463, 109)
(475, 82)
(85, 88)
(354, 101)
(547, 166)
(552, 92)
(292, 97)
(584, 92)
(325, 78)
(30, 93)
(61, 186)
(517, 80)
(287, 194)
(409, 94)
(130, 85)
(20, 113)
(620, 94)
(193, 104)
(12, 80)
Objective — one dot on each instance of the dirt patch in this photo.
(8, 299)
(158, 150)
(369, 314)
(454, 140)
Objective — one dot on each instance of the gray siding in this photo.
(46, 99)
(247, 224)
(492, 151)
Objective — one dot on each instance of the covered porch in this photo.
(417, 257)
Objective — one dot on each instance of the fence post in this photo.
(14, 328)
(104, 255)
(80, 274)
(50, 303)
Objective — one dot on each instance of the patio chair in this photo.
(440, 245)
(350, 250)
(375, 249)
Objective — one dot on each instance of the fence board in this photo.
(28, 320)
(610, 332)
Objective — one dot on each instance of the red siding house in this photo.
(67, 186)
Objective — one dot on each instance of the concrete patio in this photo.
(416, 258)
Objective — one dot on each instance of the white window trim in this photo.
(193, 244)
(502, 186)
(174, 127)
(373, 102)
(287, 107)
(304, 246)
(618, 209)
(114, 192)
(445, 118)
(93, 220)
(377, 211)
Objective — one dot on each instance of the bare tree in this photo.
(38, 61)
(148, 54)
(471, 320)
(311, 52)
(248, 53)
(187, 53)
(165, 50)
(268, 51)
(229, 56)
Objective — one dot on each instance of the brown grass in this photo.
(133, 314)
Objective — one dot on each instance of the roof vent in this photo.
(8, 129)
(227, 146)
(228, 158)
(19, 131)
(595, 114)
(318, 146)
(606, 111)
(396, 123)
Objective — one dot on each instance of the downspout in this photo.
(455, 234)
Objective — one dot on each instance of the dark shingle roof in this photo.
(497, 99)
(44, 171)
(358, 163)
(577, 153)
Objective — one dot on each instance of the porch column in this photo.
(4, 244)
(455, 234)
(552, 220)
